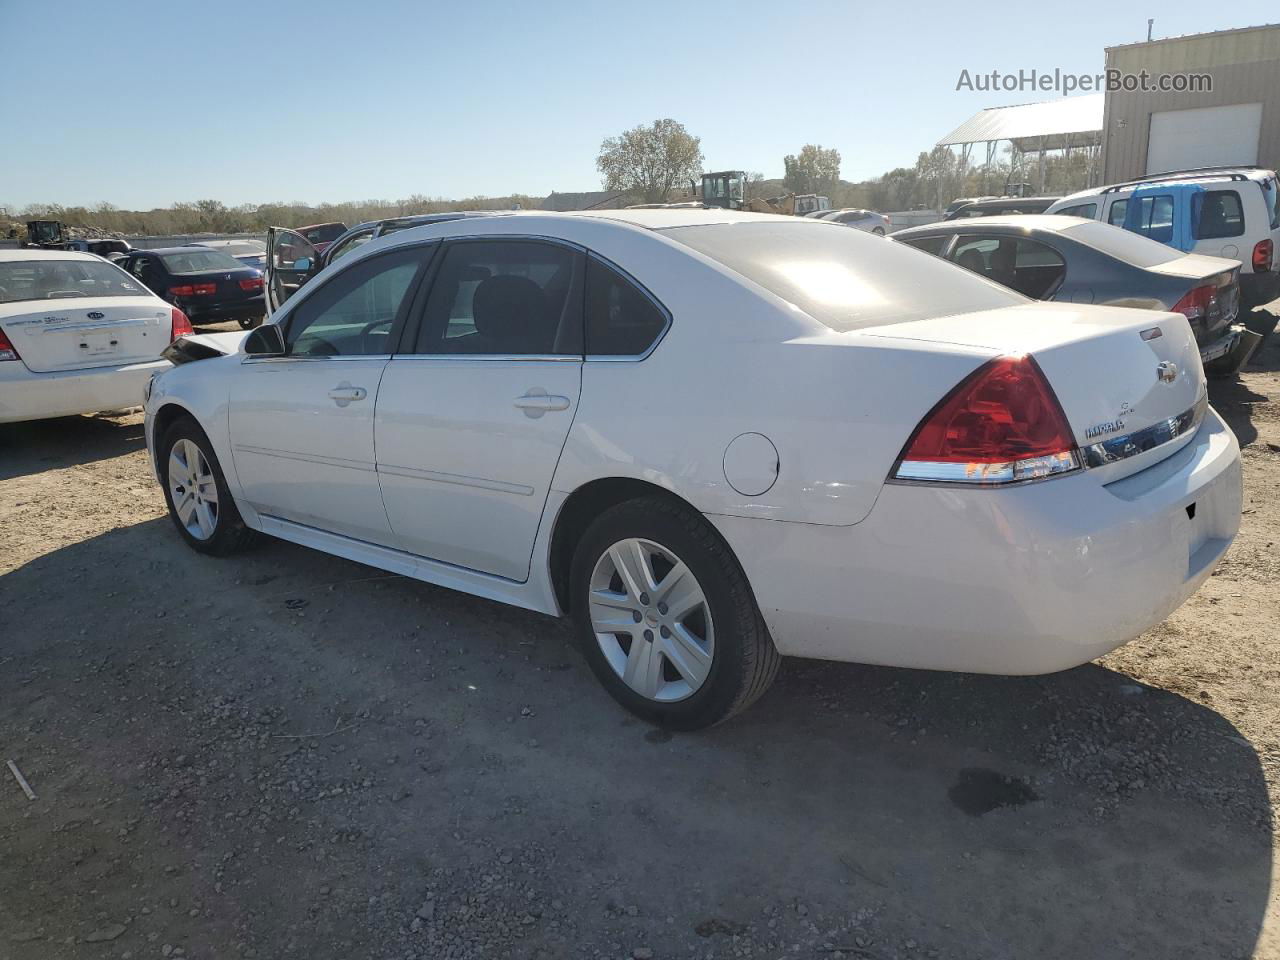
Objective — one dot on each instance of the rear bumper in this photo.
(198, 312)
(1257, 289)
(38, 396)
(1029, 580)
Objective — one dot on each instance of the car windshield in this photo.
(199, 261)
(845, 279)
(55, 279)
(1121, 244)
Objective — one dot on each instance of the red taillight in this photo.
(1195, 305)
(181, 325)
(1262, 256)
(1002, 423)
(181, 291)
(205, 289)
(7, 349)
(253, 283)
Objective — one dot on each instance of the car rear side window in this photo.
(1270, 197)
(1153, 218)
(1115, 216)
(353, 314)
(1087, 210)
(934, 245)
(844, 279)
(1217, 213)
(504, 298)
(621, 320)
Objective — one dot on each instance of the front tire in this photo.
(248, 323)
(666, 618)
(195, 490)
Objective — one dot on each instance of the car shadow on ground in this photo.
(37, 445)
(392, 741)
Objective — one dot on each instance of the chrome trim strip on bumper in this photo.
(1148, 438)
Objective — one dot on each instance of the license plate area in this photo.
(98, 344)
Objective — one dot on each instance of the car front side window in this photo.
(355, 313)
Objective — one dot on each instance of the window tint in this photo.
(502, 298)
(1087, 210)
(1218, 214)
(932, 245)
(621, 320)
(1115, 216)
(354, 242)
(1269, 196)
(1032, 268)
(288, 248)
(1153, 218)
(352, 314)
(844, 279)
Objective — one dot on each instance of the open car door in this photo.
(291, 262)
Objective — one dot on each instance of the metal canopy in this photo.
(1049, 125)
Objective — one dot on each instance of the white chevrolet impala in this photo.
(715, 439)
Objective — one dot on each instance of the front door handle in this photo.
(344, 393)
(536, 403)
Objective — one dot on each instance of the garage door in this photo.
(1204, 137)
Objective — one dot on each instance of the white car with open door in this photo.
(77, 335)
(715, 438)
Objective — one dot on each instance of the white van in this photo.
(1237, 218)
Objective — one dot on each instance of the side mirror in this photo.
(302, 264)
(265, 341)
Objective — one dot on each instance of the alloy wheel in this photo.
(651, 619)
(193, 490)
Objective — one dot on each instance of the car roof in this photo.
(1051, 222)
(8, 256)
(329, 223)
(1009, 201)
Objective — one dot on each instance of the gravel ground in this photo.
(290, 755)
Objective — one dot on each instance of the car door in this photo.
(301, 425)
(291, 262)
(472, 416)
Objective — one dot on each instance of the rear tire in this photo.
(195, 490)
(687, 664)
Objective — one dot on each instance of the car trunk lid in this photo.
(68, 334)
(1117, 372)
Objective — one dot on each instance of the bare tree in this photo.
(648, 161)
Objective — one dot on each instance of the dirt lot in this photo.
(289, 755)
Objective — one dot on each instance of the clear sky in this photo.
(141, 103)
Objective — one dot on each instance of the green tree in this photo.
(646, 162)
(813, 170)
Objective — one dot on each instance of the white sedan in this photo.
(77, 335)
(715, 438)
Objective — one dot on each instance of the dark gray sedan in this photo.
(1073, 260)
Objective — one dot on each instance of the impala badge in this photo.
(1166, 371)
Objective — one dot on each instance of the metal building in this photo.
(1236, 122)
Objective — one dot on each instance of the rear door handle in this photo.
(536, 404)
(344, 393)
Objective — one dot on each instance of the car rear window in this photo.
(324, 234)
(1218, 214)
(1122, 244)
(58, 279)
(845, 279)
(199, 261)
